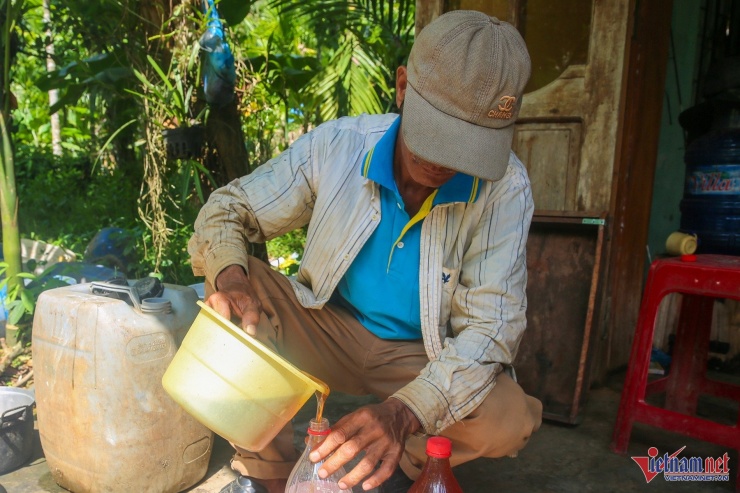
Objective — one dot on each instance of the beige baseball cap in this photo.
(466, 74)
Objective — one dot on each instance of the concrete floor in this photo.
(559, 458)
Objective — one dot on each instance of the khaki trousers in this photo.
(333, 346)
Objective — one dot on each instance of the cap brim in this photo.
(453, 143)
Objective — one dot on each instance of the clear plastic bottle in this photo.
(304, 478)
(436, 476)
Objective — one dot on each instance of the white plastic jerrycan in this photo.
(106, 424)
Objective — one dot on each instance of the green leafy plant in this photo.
(287, 250)
(22, 292)
(168, 93)
(362, 43)
(287, 76)
(19, 303)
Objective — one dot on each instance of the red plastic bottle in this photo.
(436, 476)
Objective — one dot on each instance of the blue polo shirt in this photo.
(381, 287)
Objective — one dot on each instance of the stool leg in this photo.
(635, 381)
(689, 359)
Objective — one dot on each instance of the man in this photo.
(412, 283)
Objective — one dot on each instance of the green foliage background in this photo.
(298, 63)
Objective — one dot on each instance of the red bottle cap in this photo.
(439, 447)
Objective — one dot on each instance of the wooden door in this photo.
(595, 69)
(567, 128)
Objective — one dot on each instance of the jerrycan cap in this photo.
(156, 305)
(149, 287)
(439, 447)
(143, 295)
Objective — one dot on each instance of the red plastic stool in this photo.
(700, 279)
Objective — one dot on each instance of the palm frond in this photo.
(362, 41)
(354, 82)
(393, 22)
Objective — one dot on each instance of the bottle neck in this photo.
(439, 462)
(317, 433)
(319, 427)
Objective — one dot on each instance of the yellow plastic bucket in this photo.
(235, 385)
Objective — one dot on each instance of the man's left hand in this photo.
(380, 430)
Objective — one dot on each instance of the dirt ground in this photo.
(559, 458)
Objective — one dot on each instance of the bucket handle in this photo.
(104, 288)
(11, 416)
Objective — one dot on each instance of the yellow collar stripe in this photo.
(473, 190)
(366, 166)
(423, 212)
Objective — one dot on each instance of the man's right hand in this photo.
(235, 297)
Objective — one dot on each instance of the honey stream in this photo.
(320, 401)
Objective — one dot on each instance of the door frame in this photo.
(635, 162)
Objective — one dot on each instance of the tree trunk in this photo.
(9, 209)
(224, 132)
(51, 66)
(8, 195)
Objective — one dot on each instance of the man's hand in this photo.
(380, 430)
(235, 297)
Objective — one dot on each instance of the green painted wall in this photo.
(679, 94)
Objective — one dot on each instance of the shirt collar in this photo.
(378, 166)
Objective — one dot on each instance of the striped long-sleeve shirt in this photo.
(472, 273)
